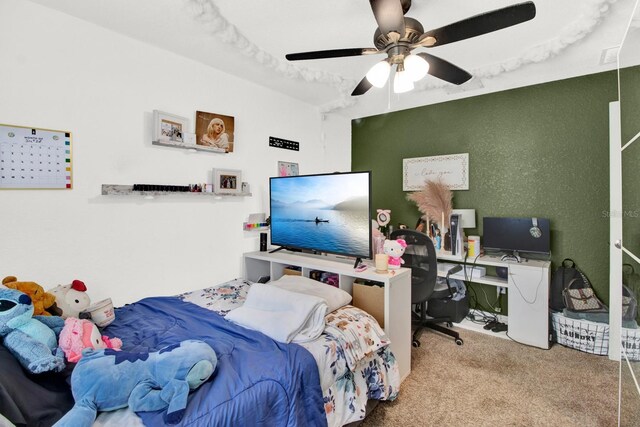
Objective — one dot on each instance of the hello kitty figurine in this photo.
(395, 250)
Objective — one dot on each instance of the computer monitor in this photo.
(517, 235)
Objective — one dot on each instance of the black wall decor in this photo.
(284, 143)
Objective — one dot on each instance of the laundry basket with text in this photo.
(631, 343)
(583, 335)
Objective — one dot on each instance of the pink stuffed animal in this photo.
(395, 250)
(79, 334)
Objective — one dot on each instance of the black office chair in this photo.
(420, 256)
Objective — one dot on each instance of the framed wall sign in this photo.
(452, 169)
(33, 158)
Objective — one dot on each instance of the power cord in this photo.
(479, 310)
(520, 292)
(467, 279)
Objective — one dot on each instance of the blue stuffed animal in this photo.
(32, 340)
(106, 380)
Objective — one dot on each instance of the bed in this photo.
(259, 381)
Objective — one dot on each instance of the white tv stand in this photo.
(397, 290)
(527, 286)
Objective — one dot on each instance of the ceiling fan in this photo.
(398, 35)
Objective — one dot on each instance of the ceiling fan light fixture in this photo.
(416, 67)
(379, 74)
(402, 82)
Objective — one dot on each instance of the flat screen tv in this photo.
(516, 234)
(325, 213)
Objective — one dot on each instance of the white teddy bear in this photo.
(71, 299)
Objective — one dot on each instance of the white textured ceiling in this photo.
(249, 38)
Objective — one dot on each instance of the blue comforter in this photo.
(258, 381)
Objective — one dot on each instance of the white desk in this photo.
(397, 290)
(527, 286)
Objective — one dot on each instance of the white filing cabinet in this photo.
(397, 290)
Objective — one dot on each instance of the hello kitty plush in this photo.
(395, 250)
(71, 299)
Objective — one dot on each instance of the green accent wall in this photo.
(538, 151)
(630, 119)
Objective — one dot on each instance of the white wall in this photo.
(58, 72)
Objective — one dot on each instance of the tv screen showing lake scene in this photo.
(327, 213)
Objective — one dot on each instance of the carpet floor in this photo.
(490, 381)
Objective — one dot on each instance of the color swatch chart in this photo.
(34, 158)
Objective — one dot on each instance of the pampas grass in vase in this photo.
(434, 201)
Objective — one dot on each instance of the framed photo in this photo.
(288, 169)
(169, 127)
(227, 181)
(215, 131)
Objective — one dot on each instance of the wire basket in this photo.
(583, 335)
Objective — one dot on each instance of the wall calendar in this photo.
(33, 158)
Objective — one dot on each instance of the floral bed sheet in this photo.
(353, 356)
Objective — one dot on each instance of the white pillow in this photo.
(334, 297)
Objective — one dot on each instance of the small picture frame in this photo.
(288, 169)
(169, 127)
(227, 181)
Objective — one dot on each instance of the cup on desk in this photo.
(382, 263)
(474, 246)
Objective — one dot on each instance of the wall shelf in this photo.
(189, 146)
(127, 190)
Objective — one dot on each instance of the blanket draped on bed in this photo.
(258, 381)
(280, 314)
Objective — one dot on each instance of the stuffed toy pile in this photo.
(106, 380)
(33, 341)
(41, 300)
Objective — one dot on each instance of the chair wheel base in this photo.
(459, 341)
(415, 343)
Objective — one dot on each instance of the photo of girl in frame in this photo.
(215, 131)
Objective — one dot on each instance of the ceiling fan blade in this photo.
(479, 24)
(334, 53)
(389, 16)
(445, 70)
(362, 87)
